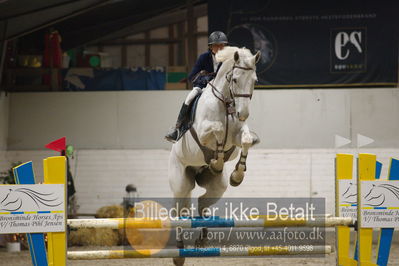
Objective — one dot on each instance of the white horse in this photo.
(219, 127)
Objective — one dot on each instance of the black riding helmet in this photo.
(217, 37)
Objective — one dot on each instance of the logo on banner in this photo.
(348, 50)
(16, 199)
(347, 198)
(256, 38)
(32, 208)
(378, 194)
(379, 204)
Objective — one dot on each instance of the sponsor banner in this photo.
(379, 204)
(32, 208)
(314, 43)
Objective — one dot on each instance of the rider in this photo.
(203, 71)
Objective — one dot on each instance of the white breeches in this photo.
(194, 92)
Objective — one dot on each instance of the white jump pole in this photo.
(198, 252)
(118, 223)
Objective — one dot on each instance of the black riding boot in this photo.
(174, 134)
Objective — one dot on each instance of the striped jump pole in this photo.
(119, 223)
(198, 252)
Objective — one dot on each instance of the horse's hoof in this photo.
(180, 244)
(234, 183)
(178, 261)
(200, 243)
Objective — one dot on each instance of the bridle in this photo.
(229, 102)
(237, 95)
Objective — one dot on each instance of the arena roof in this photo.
(79, 22)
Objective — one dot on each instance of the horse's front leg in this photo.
(214, 130)
(246, 140)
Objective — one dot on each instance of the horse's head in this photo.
(242, 82)
(241, 77)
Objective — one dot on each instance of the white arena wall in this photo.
(284, 119)
(118, 137)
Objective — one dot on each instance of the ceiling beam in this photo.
(148, 41)
(34, 10)
(77, 7)
(141, 41)
(155, 22)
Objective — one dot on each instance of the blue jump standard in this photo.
(24, 175)
(385, 233)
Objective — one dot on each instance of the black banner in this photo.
(314, 43)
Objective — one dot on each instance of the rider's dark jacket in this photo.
(204, 62)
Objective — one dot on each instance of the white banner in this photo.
(380, 204)
(32, 208)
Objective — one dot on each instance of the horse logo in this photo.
(15, 198)
(377, 195)
(350, 194)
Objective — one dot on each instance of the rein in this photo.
(229, 102)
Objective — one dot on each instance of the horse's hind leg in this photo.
(215, 186)
(181, 185)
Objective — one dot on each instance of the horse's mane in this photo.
(228, 53)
